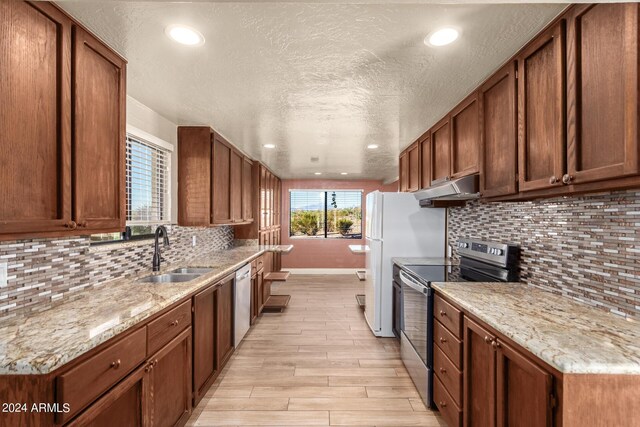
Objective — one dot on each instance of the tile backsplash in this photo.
(39, 271)
(586, 248)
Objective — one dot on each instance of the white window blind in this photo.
(148, 182)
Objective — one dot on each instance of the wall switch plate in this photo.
(3, 274)
(193, 241)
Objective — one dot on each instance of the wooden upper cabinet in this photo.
(221, 182)
(404, 172)
(465, 137)
(35, 142)
(603, 99)
(523, 390)
(541, 110)
(413, 162)
(247, 189)
(194, 175)
(99, 98)
(499, 134)
(425, 160)
(441, 150)
(235, 185)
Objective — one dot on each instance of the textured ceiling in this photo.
(317, 80)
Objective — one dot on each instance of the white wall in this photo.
(144, 118)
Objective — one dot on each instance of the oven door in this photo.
(416, 314)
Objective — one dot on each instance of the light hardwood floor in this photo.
(315, 364)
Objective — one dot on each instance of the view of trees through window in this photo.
(326, 214)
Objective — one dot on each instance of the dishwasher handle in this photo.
(412, 283)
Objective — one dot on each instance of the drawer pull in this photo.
(116, 364)
(443, 371)
(495, 344)
(443, 340)
(488, 340)
(443, 313)
(174, 323)
(443, 404)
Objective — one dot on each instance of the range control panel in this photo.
(496, 253)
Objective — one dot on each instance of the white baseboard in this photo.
(322, 270)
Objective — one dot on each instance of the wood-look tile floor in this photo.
(315, 364)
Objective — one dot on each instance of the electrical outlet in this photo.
(3, 274)
(193, 241)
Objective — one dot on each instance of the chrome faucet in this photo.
(161, 230)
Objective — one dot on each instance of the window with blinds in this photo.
(148, 187)
(326, 214)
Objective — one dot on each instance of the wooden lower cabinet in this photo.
(205, 368)
(157, 394)
(260, 291)
(479, 376)
(224, 320)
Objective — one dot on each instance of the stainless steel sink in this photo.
(169, 278)
(193, 270)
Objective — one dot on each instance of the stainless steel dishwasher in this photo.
(242, 297)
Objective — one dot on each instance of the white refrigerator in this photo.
(395, 226)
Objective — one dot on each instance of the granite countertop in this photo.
(570, 336)
(40, 342)
(402, 262)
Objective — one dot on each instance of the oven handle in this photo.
(412, 283)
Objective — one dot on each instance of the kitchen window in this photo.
(325, 214)
(148, 186)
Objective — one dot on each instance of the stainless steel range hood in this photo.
(445, 191)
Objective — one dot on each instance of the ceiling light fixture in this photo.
(344, 173)
(318, 173)
(442, 37)
(269, 146)
(184, 35)
(372, 146)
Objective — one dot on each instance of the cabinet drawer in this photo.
(168, 326)
(84, 383)
(448, 343)
(448, 315)
(448, 409)
(448, 374)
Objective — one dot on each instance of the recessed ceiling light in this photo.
(372, 146)
(442, 37)
(269, 146)
(344, 173)
(184, 35)
(318, 173)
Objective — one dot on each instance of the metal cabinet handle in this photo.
(174, 323)
(443, 340)
(496, 344)
(553, 180)
(116, 364)
(443, 313)
(488, 339)
(443, 371)
(71, 225)
(443, 404)
(566, 178)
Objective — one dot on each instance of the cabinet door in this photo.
(441, 150)
(499, 134)
(235, 185)
(425, 160)
(260, 288)
(35, 142)
(247, 190)
(413, 156)
(523, 390)
(278, 204)
(194, 175)
(204, 342)
(263, 198)
(603, 92)
(403, 175)
(479, 376)
(255, 301)
(170, 382)
(99, 135)
(221, 197)
(224, 321)
(465, 137)
(541, 111)
(271, 184)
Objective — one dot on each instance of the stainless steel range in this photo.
(480, 261)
